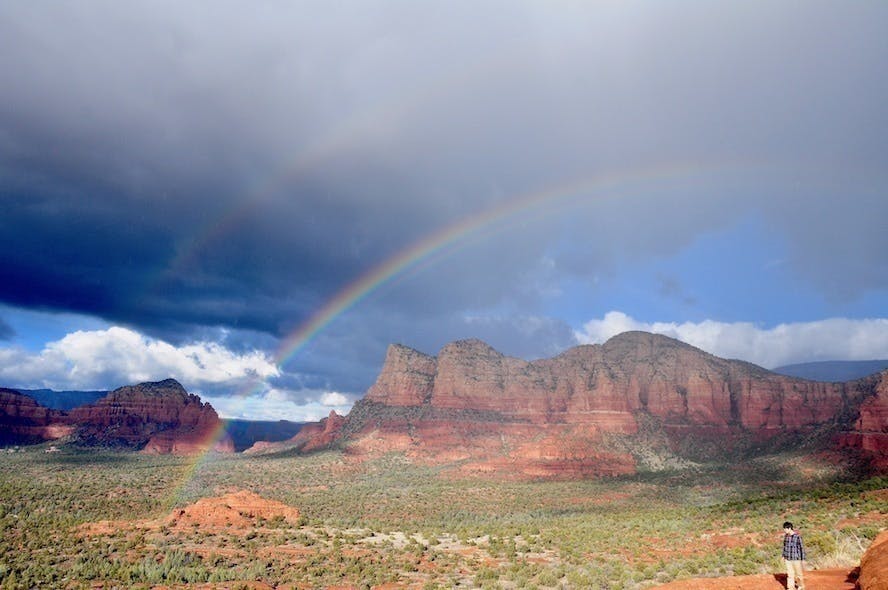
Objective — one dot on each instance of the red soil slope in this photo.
(871, 575)
(874, 565)
(832, 579)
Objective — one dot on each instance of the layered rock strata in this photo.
(311, 437)
(590, 410)
(156, 417)
(24, 421)
(159, 417)
(869, 432)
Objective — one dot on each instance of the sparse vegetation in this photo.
(386, 521)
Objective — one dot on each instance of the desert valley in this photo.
(377, 295)
(638, 463)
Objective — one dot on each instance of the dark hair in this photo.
(787, 525)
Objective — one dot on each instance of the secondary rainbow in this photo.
(548, 201)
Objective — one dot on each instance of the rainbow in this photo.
(360, 125)
(544, 202)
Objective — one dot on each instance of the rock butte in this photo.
(24, 421)
(159, 417)
(236, 512)
(596, 409)
(240, 509)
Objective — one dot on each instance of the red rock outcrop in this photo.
(239, 512)
(569, 413)
(236, 510)
(23, 420)
(606, 385)
(874, 565)
(407, 380)
(311, 437)
(189, 441)
(870, 430)
(158, 417)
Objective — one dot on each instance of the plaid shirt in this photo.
(792, 547)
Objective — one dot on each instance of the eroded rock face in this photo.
(407, 380)
(874, 565)
(564, 414)
(311, 437)
(605, 385)
(158, 417)
(870, 430)
(24, 421)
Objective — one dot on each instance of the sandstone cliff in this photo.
(24, 421)
(599, 409)
(311, 437)
(156, 417)
(159, 417)
(869, 432)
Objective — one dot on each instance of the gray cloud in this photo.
(830, 339)
(671, 288)
(184, 170)
(6, 331)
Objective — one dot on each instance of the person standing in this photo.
(793, 557)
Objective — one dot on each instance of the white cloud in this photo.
(332, 398)
(106, 359)
(830, 339)
(278, 395)
(279, 404)
(102, 359)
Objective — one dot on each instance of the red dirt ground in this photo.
(832, 579)
(871, 575)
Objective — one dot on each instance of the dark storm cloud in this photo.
(181, 169)
(348, 355)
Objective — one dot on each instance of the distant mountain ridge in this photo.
(833, 371)
(638, 400)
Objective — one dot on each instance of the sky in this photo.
(258, 199)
